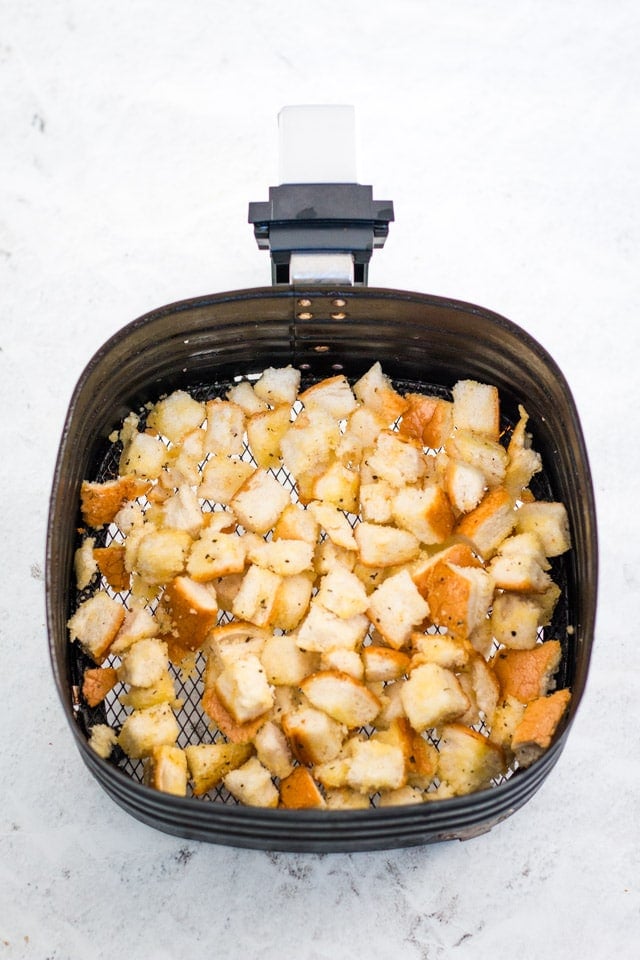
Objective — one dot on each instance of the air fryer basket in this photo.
(424, 343)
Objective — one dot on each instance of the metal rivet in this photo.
(338, 316)
(338, 302)
(305, 315)
(304, 302)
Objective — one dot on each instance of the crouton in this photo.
(374, 765)
(137, 624)
(314, 736)
(259, 502)
(539, 722)
(257, 596)
(143, 456)
(225, 428)
(487, 455)
(444, 649)
(523, 462)
(176, 415)
(549, 521)
(467, 760)
(376, 501)
(144, 730)
(191, 609)
(222, 477)
(397, 459)
(490, 522)
(278, 385)
(322, 630)
(375, 390)
(97, 683)
(244, 396)
(432, 696)
(340, 695)
(251, 784)
(144, 663)
(333, 395)
(383, 546)
(292, 601)
(284, 557)
(309, 442)
(224, 721)
(299, 791)
(459, 598)
(338, 485)
(100, 502)
(265, 430)
(111, 563)
(166, 770)
(425, 512)
(209, 763)
(216, 554)
(284, 662)
(244, 689)
(182, 511)
(476, 407)
(464, 485)
(343, 661)
(343, 798)
(296, 523)
(102, 740)
(341, 592)
(161, 554)
(383, 663)
(161, 690)
(85, 565)
(427, 419)
(95, 624)
(396, 607)
(273, 750)
(528, 674)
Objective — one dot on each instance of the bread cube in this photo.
(476, 407)
(540, 719)
(284, 662)
(383, 546)
(425, 512)
(523, 461)
(144, 456)
(490, 522)
(549, 522)
(144, 730)
(296, 523)
(273, 750)
(278, 385)
(176, 415)
(251, 784)
(184, 460)
(506, 717)
(328, 556)
(528, 674)
(233, 730)
(361, 432)
(259, 502)
(144, 663)
(340, 695)
(257, 596)
(101, 502)
(401, 797)
(343, 798)
(315, 737)
(138, 623)
(383, 663)
(85, 565)
(216, 554)
(182, 511)
(292, 601)
(397, 459)
(222, 477)
(375, 390)
(299, 791)
(482, 688)
(166, 770)
(284, 557)
(427, 419)
(191, 609)
(265, 430)
(464, 485)
(432, 696)
(111, 562)
(209, 763)
(244, 689)
(97, 683)
(522, 574)
(333, 395)
(396, 607)
(244, 396)
(459, 598)
(343, 593)
(338, 485)
(95, 624)
(376, 501)
(310, 441)
(343, 661)
(161, 691)
(225, 428)
(323, 630)
(161, 554)
(442, 648)
(420, 757)
(102, 740)
(334, 523)
(487, 455)
(468, 761)
(374, 765)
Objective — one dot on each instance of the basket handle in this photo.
(319, 224)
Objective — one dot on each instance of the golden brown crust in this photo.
(97, 682)
(111, 565)
(492, 520)
(539, 722)
(299, 791)
(233, 731)
(527, 674)
(192, 610)
(100, 502)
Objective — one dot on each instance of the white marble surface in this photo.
(133, 136)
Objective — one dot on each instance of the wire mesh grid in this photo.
(195, 727)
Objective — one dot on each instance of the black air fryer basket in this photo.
(425, 344)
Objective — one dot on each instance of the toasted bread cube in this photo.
(396, 607)
(427, 419)
(244, 689)
(251, 784)
(488, 456)
(382, 546)
(161, 691)
(482, 688)
(222, 477)
(468, 761)
(361, 432)
(343, 661)
(332, 774)
(284, 662)
(506, 717)
(101, 502)
(315, 737)
(343, 593)
(343, 798)
(137, 624)
(182, 511)
(143, 456)
(95, 624)
(522, 574)
(144, 663)
(374, 389)
(192, 610)
(287, 558)
(185, 459)
(257, 596)
(296, 523)
(225, 427)
(464, 485)
(392, 708)
(424, 512)
(85, 565)
(383, 663)
(397, 459)
(421, 757)
(333, 395)
(338, 485)
(265, 430)
(549, 521)
(323, 630)
(166, 770)
(244, 396)
(401, 797)
(111, 563)
(216, 554)
(523, 462)
(176, 415)
(144, 730)
(374, 765)
(273, 750)
(259, 502)
(310, 441)
(459, 598)
(490, 522)
(97, 683)
(432, 696)
(528, 674)
(344, 698)
(278, 385)
(441, 648)
(299, 791)
(328, 556)
(376, 501)
(334, 523)
(209, 763)
(292, 601)
(232, 641)
(234, 730)
(161, 554)
(476, 407)
(539, 722)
